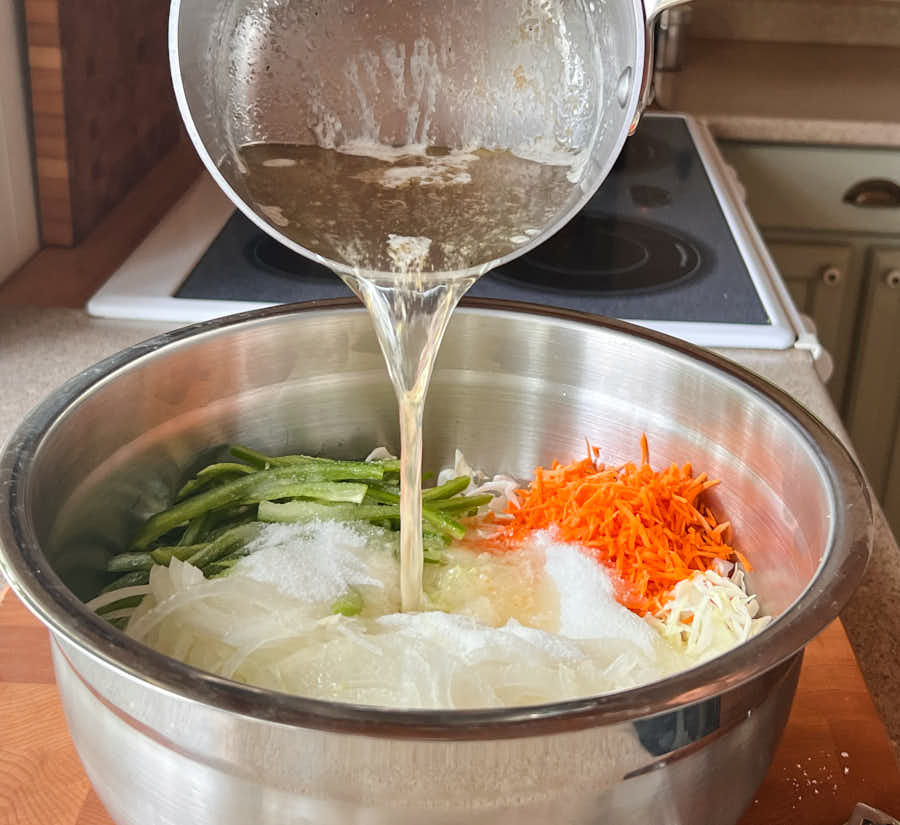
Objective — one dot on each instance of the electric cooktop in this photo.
(665, 242)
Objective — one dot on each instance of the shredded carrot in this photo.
(649, 527)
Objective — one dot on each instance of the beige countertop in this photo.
(41, 348)
(789, 92)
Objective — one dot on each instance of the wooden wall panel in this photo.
(18, 196)
(104, 110)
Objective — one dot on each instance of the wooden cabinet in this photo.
(831, 219)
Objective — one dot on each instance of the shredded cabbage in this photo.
(502, 487)
(709, 614)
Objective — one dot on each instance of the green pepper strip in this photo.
(349, 604)
(434, 513)
(196, 529)
(462, 503)
(224, 545)
(136, 577)
(163, 555)
(223, 565)
(224, 471)
(303, 511)
(379, 494)
(125, 562)
(281, 482)
(442, 523)
(215, 470)
(447, 489)
(121, 604)
(264, 462)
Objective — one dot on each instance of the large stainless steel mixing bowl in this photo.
(164, 743)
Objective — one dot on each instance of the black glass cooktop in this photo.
(603, 254)
(652, 244)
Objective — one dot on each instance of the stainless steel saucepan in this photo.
(165, 743)
(567, 76)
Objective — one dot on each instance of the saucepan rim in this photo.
(43, 592)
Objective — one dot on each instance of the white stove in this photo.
(666, 243)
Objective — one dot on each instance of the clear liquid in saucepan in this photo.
(471, 206)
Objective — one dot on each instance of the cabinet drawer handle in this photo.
(831, 275)
(892, 278)
(874, 193)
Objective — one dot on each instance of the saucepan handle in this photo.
(652, 10)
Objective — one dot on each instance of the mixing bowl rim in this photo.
(34, 581)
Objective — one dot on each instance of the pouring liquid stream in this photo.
(410, 319)
(413, 228)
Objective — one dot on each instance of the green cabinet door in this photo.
(873, 415)
(825, 287)
(891, 497)
(794, 186)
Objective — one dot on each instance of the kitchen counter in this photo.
(813, 93)
(40, 348)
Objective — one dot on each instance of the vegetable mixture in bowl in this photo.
(283, 572)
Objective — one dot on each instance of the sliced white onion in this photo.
(380, 454)
(115, 595)
(124, 613)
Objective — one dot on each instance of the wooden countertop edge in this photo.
(67, 277)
